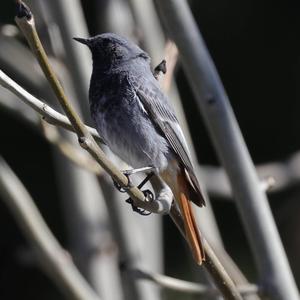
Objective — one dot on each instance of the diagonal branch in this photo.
(186, 286)
(53, 258)
(74, 154)
(27, 26)
(212, 264)
(55, 118)
(49, 114)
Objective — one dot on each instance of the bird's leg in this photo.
(145, 180)
(134, 171)
(148, 194)
(125, 188)
(128, 173)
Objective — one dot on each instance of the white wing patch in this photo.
(140, 104)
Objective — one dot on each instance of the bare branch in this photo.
(186, 286)
(55, 260)
(211, 263)
(274, 177)
(281, 175)
(69, 150)
(211, 98)
(171, 57)
(50, 115)
(50, 133)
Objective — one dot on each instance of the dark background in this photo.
(255, 46)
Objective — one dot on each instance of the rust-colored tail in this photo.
(182, 196)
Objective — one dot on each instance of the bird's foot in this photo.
(123, 189)
(149, 198)
(128, 173)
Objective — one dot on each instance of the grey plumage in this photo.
(130, 111)
(138, 124)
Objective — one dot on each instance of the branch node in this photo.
(268, 183)
(45, 106)
(84, 142)
(160, 68)
(22, 10)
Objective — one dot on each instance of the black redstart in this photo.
(138, 124)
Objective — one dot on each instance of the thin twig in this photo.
(186, 286)
(68, 149)
(49, 132)
(127, 225)
(211, 263)
(160, 69)
(50, 115)
(94, 250)
(55, 260)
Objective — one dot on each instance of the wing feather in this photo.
(164, 118)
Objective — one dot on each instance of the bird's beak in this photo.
(81, 40)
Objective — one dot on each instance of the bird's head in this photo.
(109, 49)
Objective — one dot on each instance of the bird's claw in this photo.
(128, 173)
(149, 198)
(148, 195)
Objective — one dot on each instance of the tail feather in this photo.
(192, 233)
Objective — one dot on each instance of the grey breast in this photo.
(124, 124)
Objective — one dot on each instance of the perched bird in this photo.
(136, 121)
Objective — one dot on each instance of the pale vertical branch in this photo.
(55, 261)
(252, 203)
(130, 241)
(116, 16)
(18, 59)
(79, 193)
(88, 232)
(85, 139)
(171, 57)
(68, 16)
(153, 40)
(79, 60)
